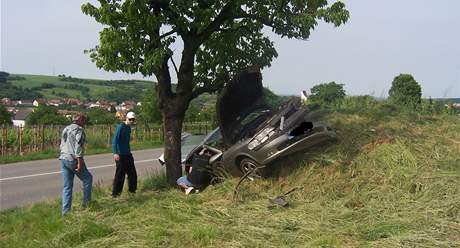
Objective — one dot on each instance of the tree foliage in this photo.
(149, 112)
(100, 116)
(5, 116)
(405, 90)
(46, 115)
(3, 76)
(329, 93)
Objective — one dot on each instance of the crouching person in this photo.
(198, 174)
(72, 148)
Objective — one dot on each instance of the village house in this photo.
(54, 102)
(25, 103)
(73, 101)
(68, 113)
(19, 119)
(38, 102)
(7, 102)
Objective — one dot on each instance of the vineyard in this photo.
(24, 140)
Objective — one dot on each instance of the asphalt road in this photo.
(24, 183)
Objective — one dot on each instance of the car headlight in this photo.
(263, 136)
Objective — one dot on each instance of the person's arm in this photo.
(79, 163)
(115, 142)
(80, 142)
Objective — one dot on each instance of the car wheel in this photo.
(248, 165)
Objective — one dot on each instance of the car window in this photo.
(214, 137)
(249, 124)
(190, 142)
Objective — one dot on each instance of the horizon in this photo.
(376, 97)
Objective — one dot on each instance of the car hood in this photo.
(239, 97)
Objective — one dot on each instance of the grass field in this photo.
(390, 180)
(95, 89)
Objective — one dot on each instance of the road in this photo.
(24, 183)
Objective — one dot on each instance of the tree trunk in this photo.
(172, 149)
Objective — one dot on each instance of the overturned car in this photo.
(251, 134)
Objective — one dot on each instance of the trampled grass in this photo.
(390, 180)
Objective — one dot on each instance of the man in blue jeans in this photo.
(123, 158)
(72, 147)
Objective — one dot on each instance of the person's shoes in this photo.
(188, 190)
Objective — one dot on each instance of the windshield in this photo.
(189, 143)
(248, 126)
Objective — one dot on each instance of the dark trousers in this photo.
(125, 166)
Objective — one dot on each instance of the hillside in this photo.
(390, 180)
(59, 87)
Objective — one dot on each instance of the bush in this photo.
(330, 93)
(405, 91)
(46, 115)
(5, 116)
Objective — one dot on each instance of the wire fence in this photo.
(24, 140)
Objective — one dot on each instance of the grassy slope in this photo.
(391, 180)
(37, 80)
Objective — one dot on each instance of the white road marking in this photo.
(58, 172)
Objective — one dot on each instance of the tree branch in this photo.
(224, 15)
(167, 34)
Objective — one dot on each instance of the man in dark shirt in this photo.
(198, 175)
(123, 158)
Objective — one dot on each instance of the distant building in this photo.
(6, 101)
(25, 103)
(68, 113)
(54, 102)
(72, 101)
(20, 116)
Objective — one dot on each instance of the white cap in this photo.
(131, 115)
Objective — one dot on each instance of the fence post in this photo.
(109, 134)
(42, 133)
(20, 140)
(161, 133)
(3, 140)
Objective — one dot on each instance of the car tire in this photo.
(247, 164)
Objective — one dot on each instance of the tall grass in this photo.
(390, 180)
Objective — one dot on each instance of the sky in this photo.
(381, 40)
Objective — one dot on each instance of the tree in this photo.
(5, 116)
(219, 39)
(3, 76)
(46, 115)
(405, 91)
(329, 93)
(100, 116)
(149, 112)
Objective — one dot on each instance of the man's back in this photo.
(73, 140)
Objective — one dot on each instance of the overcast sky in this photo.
(381, 40)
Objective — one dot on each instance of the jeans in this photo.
(184, 181)
(125, 167)
(68, 172)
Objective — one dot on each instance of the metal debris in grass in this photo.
(280, 201)
(249, 175)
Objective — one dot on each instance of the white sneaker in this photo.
(188, 190)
